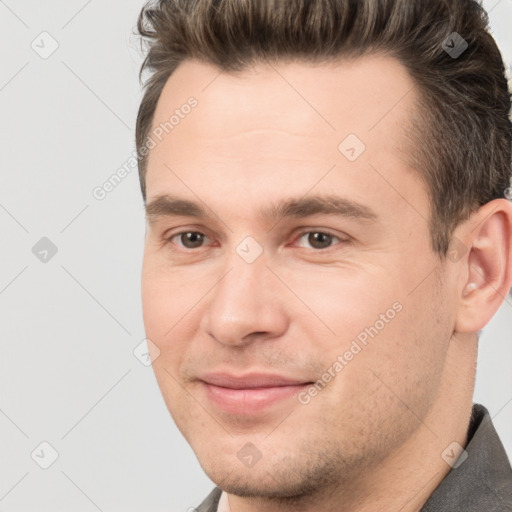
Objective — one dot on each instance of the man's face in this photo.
(249, 310)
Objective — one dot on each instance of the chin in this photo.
(279, 478)
(263, 486)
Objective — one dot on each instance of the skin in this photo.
(372, 439)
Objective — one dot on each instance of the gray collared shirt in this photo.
(483, 482)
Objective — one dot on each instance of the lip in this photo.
(250, 393)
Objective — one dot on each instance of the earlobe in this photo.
(487, 266)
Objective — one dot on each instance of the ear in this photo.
(486, 274)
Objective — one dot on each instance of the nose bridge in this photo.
(243, 291)
(243, 301)
(247, 273)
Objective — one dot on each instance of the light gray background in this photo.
(69, 326)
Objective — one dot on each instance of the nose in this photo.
(246, 304)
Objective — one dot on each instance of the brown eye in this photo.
(190, 239)
(318, 239)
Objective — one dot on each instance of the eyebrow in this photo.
(168, 206)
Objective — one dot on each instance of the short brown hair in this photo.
(460, 130)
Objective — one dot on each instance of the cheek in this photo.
(397, 371)
(336, 305)
(164, 295)
(154, 304)
(162, 309)
(365, 325)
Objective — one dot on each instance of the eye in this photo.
(189, 239)
(318, 239)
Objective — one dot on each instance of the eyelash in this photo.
(296, 238)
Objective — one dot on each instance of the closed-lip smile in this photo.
(250, 393)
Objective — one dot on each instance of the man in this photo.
(328, 230)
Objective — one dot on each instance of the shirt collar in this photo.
(483, 481)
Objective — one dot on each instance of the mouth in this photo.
(249, 394)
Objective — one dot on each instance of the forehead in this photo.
(285, 125)
(329, 96)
